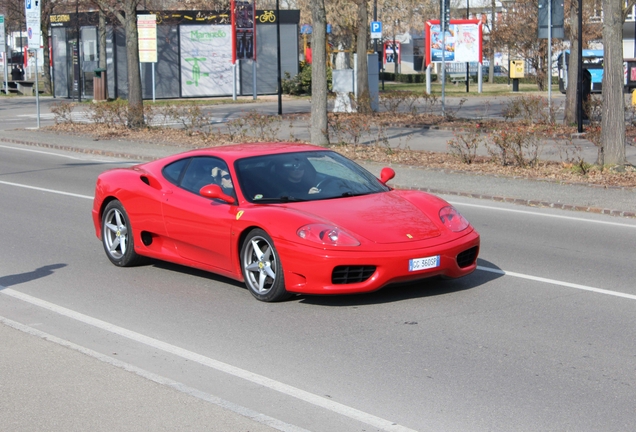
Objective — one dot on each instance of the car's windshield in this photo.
(303, 176)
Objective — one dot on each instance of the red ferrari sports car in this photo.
(284, 218)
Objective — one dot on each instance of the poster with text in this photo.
(206, 60)
(461, 43)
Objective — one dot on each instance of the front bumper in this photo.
(309, 271)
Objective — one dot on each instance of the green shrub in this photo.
(301, 83)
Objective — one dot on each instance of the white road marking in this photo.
(556, 282)
(40, 151)
(261, 380)
(79, 158)
(85, 117)
(245, 412)
(53, 191)
(578, 219)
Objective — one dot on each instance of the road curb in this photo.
(526, 202)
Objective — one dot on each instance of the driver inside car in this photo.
(298, 175)
(223, 179)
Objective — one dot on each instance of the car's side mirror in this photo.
(215, 192)
(386, 174)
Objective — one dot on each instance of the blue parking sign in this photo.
(376, 30)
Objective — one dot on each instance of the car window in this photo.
(202, 171)
(173, 171)
(304, 176)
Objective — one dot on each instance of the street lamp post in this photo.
(467, 63)
(579, 84)
(77, 47)
(278, 65)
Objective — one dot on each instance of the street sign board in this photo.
(147, 38)
(32, 14)
(376, 30)
(3, 41)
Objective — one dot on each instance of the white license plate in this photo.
(424, 263)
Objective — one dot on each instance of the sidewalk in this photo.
(45, 378)
(580, 197)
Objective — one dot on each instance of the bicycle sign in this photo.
(267, 16)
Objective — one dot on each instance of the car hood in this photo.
(381, 218)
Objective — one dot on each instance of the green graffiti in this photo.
(196, 70)
(200, 36)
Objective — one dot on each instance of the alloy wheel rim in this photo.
(259, 262)
(115, 234)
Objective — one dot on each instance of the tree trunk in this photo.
(135, 99)
(46, 8)
(319, 128)
(613, 117)
(101, 37)
(573, 70)
(362, 78)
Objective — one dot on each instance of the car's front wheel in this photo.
(117, 236)
(262, 268)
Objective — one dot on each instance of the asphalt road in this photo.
(537, 339)
(22, 111)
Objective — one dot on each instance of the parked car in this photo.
(499, 71)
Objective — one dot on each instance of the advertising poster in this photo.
(206, 60)
(391, 52)
(244, 29)
(461, 44)
(442, 47)
(3, 42)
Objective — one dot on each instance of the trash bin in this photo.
(100, 85)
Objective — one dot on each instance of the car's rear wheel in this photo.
(117, 236)
(262, 268)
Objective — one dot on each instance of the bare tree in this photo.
(362, 78)
(126, 13)
(613, 119)
(319, 128)
(46, 9)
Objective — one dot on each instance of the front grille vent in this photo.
(351, 274)
(468, 257)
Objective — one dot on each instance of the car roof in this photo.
(233, 152)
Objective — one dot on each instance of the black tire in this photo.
(262, 269)
(117, 236)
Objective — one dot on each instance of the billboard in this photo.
(462, 42)
(206, 53)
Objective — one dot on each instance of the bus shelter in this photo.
(194, 55)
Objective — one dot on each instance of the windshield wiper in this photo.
(291, 199)
(352, 194)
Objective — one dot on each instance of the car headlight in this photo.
(326, 234)
(451, 218)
